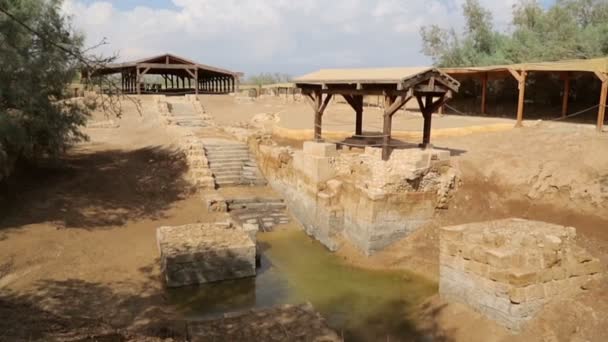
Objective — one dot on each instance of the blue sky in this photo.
(286, 36)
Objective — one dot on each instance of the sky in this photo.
(287, 36)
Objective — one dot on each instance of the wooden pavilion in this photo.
(431, 88)
(179, 75)
(520, 72)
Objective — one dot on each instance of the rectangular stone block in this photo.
(202, 253)
(320, 149)
(317, 169)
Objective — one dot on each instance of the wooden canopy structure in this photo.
(520, 72)
(431, 88)
(180, 76)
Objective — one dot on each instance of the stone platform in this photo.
(508, 269)
(202, 253)
(282, 323)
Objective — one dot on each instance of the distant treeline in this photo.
(568, 29)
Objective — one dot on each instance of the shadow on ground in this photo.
(95, 189)
(76, 310)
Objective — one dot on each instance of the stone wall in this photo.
(357, 196)
(202, 253)
(508, 269)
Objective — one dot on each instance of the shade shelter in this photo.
(520, 72)
(177, 76)
(431, 88)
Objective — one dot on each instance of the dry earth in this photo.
(78, 254)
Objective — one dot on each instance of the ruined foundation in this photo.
(281, 323)
(202, 253)
(358, 196)
(508, 269)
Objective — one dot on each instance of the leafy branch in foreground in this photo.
(40, 56)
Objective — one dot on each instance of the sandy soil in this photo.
(77, 242)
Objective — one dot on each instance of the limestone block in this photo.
(508, 269)
(317, 169)
(320, 149)
(202, 253)
(252, 230)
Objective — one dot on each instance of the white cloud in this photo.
(274, 35)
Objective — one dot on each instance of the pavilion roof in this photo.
(575, 65)
(361, 75)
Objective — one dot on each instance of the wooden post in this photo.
(387, 127)
(196, 84)
(318, 105)
(484, 92)
(428, 117)
(566, 94)
(521, 85)
(602, 110)
(138, 83)
(359, 112)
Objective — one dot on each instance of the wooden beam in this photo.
(191, 73)
(397, 104)
(325, 103)
(566, 95)
(484, 92)
(167, 66)
(516, 75)
(602, 109)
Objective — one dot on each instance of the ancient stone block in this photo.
(320, 149)
(526, 264)
(202, 253)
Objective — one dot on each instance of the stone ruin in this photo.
(358, 196)
(199, 172)
(202, 253)
(509, 269)
(280, 323)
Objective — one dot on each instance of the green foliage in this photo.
(35, 116)
(268, 78)
(567, 30)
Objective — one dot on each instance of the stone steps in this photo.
(231, 164)
(266, 213)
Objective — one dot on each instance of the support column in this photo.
(428, 119)
(566, 94)
(602, 110)
(318, 104)
(521, 85)
(196, 84)
(359, 113)
(484, 93)
(138, 83)
(387, 127)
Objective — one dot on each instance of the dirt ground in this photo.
(77, 238)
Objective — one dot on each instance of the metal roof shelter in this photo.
(173, 69)
(431, 88)
(596, 66)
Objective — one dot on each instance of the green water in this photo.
(363, 305)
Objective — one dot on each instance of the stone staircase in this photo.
(183, 113)
(232, 165)
(265, 213)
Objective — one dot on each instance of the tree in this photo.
(568, 29)
(40, 55)
(268, 78)
(478, 45)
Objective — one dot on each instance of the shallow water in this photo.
(363, 305)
